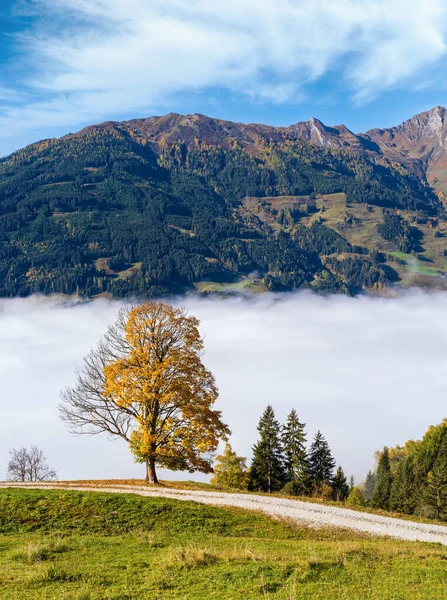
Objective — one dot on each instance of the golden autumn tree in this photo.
(145, 382)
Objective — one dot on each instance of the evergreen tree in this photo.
(355, 498)
(370, 485)
(321, 463)
(436, 492)
(230, 470)
(267, 471)
(426, 453)
(294, 452)
(381, 497)
(403, 494)
(340, 485)
(415, 476)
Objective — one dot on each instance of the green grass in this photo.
(414, 265)
(244, 285)
(364, 230)
(97, 546)
(202, 486)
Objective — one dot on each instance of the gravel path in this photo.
(315, 515)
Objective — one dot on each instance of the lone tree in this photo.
(404, 493)
(436, 492)
(340, 485)
(145, 383)
(29, 465)
(230, 470)
(381, 497)
(370, 485)
(267, 471)
(294, 451)
(321, 463)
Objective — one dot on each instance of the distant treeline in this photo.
(412, 479)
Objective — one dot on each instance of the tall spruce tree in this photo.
(403, 493)
(381, 497)
(321, 463)
(340, 485)
(296, 469)
(267, 470)
(370, 485)
(436, 491)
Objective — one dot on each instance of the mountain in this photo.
(177, 203)
(175, 128)
(420, 143)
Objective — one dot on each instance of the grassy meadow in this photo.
(363, 232)
(71, 545)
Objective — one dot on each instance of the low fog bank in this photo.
(365, 371)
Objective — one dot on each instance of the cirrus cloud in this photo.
(89, 60)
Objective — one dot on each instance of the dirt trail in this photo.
(315, 515)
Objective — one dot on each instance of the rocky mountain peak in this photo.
(420, 143)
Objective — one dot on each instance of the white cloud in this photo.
(112, 57)
(366, 371)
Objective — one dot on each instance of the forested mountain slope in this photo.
(169, 204)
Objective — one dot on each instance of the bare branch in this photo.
(29, 465)
(84, 407)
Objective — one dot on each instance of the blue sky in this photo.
(364, 63)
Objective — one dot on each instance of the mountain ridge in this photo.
(425, 118)
(419, 143)
(313, 130)
(177, 127)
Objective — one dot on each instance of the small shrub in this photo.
(292, 488)
(35, 553)
(356, 498)
(323, 570)
(54, 574)
(189, 558)
(324, 491)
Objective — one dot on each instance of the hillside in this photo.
(67, 544)
(183, 203)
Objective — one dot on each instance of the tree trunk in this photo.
(151, 474)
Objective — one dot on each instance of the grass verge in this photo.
(199, 486)
(71, 545)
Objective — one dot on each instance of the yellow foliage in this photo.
(161, 377)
